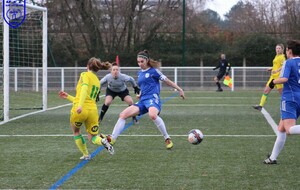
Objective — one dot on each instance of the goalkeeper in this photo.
(116, 86)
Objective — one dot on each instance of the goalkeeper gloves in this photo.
(271, 84)
(136, 90)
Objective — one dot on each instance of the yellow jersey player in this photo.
(275, 72)
(84, 109)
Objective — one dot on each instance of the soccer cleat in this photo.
(219, 90)
(108, 146)
(269, 161)
(109, 138)
(87, 157)
(257, 107)
(134, 120)
(169, 143)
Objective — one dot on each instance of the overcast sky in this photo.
(221, 6)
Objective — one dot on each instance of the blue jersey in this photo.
(148, 81)
(291, 89)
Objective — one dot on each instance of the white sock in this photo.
(161, 126)
(295, 130)
(119, 127)
(278, 145)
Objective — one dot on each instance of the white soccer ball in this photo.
(195, 136)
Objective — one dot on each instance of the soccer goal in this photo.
(23, 65)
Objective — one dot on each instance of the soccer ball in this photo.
(195, 136)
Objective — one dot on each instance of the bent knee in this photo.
(153, 116)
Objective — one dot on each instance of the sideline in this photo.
(270, 120)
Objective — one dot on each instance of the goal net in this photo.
(23, 64)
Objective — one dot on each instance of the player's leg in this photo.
(108, 100)
(76, 121)
(119, 126)
(92, 129)
(153, 114)
(129, 101)
(264, 96)
(278, 145)
(217, 80)
(289, 113)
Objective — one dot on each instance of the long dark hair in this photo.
(150, 62)
(95, 65)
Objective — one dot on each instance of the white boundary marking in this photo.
(70, 135)
(36, 112)
(270, 120)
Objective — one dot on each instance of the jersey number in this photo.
(94, 92)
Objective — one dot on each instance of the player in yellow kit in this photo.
(84, 110)
(275, 72)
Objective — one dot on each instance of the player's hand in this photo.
(79, 109)
(138, 96)
(136, 90)
(98, 96)
(63, 94)
(271, 84)
(182, 94)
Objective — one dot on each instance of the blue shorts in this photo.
(144, 105)
(289, 110)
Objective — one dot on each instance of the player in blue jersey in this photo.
(149, 97)
(290, 99)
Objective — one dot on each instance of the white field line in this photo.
(36, 112)
(221, 98)
(70, 135)
(192, 105)
(270, 120)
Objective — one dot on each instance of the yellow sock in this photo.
(263, 100)
(97, 140)
(80, 142)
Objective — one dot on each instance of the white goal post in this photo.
(26, 47)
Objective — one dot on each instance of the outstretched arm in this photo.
(65, 95)
(172, 84)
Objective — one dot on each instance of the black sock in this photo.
(218, 84)
(103, 111)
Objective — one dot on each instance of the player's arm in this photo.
(228, 68)
(83, 92)
(276, 71)
(172, 84)
(103, 81)
(131, 80)
(67, 96)
(218, 66)
(280, 80)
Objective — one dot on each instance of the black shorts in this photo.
(113, 94)
(220, 75)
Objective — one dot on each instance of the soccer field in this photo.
(38, 151)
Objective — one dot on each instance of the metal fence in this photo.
(190, 78)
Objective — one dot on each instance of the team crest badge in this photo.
(14, 12)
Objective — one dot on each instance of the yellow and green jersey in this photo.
(277, 63)
(87, 89)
